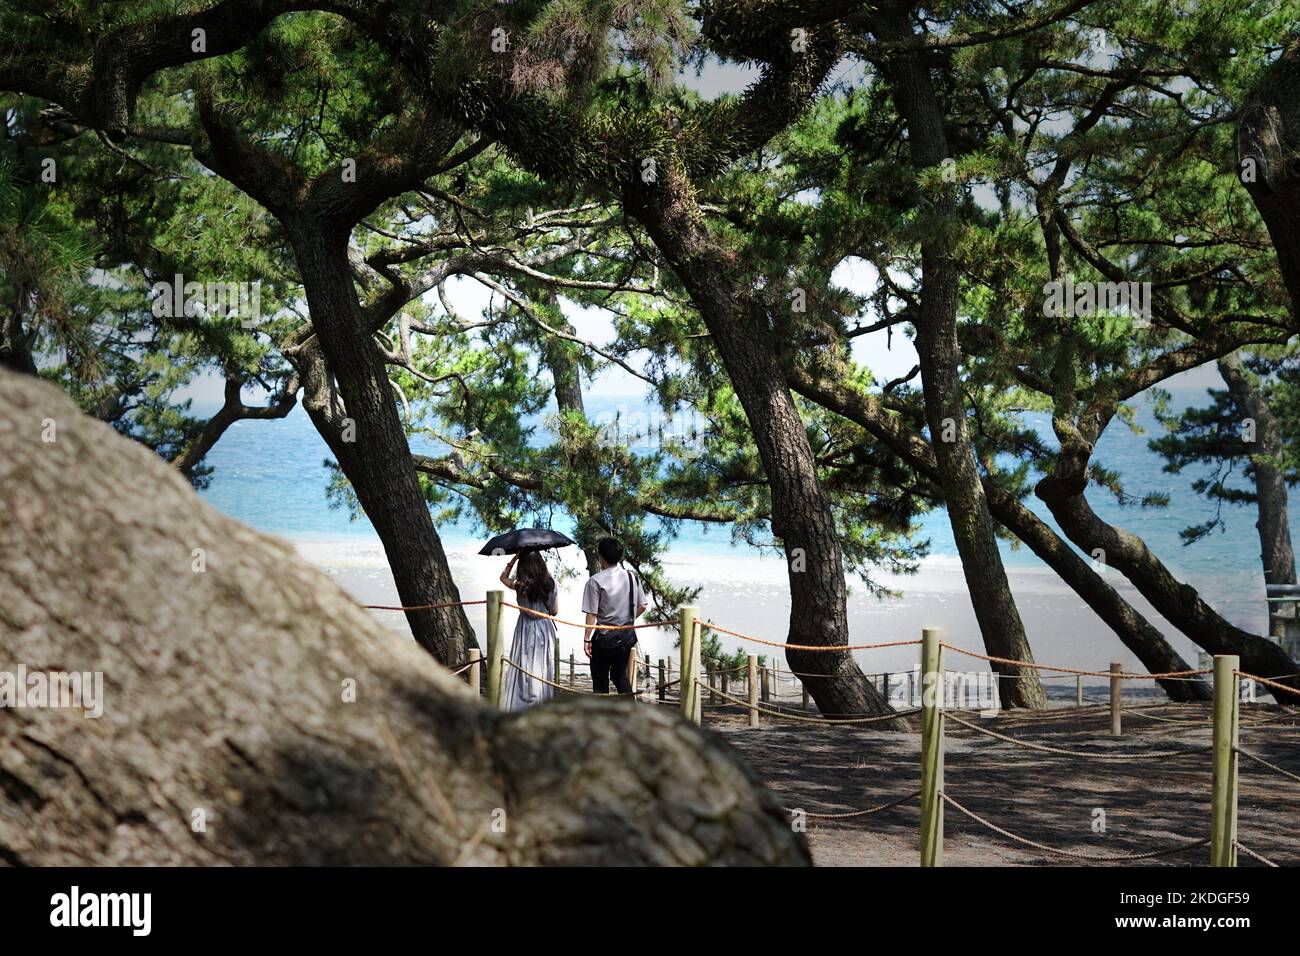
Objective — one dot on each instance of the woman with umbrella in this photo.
(534, 636)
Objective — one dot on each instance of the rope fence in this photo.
(1071, 854)
(932, 680)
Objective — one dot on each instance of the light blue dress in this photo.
(533, 648)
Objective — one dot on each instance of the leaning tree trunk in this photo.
(945, 406)
(253, 715)
(373, 451)
(561, 358)
(1180, 604)
(801, 512)
(1134, 631)
(1268, 154)
(1272, 521)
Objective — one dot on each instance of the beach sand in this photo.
(750, 594)
(1145, 803)
(1048, 798)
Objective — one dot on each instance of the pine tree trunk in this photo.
(1272, 520)
(801, 513)
(1180, 604)
(945, 406)
(1133, 630)
(1268, 154)
(378, 462)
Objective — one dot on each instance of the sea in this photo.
(272, 475)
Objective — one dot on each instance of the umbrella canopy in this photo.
(526, 539)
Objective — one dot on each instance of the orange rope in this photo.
(420, 607)
(1269, 683)
(597, 627)
(801, 647)
(1070, 670)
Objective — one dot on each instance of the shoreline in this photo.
(749, 593)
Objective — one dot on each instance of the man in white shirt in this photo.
(613, 595)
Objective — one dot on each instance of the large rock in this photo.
(225, 735)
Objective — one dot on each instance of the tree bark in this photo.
(15, 345)
(1268, 153)
(566, 383)
(801, 514)
(1181, 605)
(253, 715)
(1272, 521)
(378, 463)
(559, 357)
(1134, 631)
(940, 358)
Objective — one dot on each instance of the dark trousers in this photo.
(607, 664)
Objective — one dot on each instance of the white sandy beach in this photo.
(749, 594)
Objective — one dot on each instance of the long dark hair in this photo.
(532, 579)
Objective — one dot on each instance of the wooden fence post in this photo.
(884, 686)
(762, 676)
(570, 668)
(690, 643)
(726, 682)
(931, 747)
(496, 647)
(1116, 691)
(556, 676)
(1223, 780)
(663, 683)
(633, 675)
(752, 675)
(475, 671)
(805, 697)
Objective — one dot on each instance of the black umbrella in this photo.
(526, 539)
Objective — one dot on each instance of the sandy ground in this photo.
(1054, 799)
(751, 595)
(1149, 803)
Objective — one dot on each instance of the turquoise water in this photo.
(270, 474)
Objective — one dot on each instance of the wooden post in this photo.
(726, 675)
(475, 670)
(884, 686)
(931, 748)
(1078, 690)
(496, 640)
(632, 675)
(762, 676)
(752, 675)
(663, 683)
(690, 638)
(1223, 780)
(556, 675)
(570, 668)
(1115, 693)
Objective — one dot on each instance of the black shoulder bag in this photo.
(621, 640)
